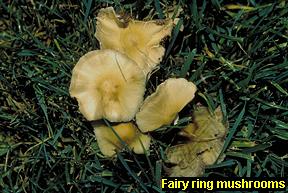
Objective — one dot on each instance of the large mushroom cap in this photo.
(107, 84)
(109, 142)
(162, 107)
(139, 40)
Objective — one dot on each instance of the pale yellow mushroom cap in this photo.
(107, 84)
(108, 142)
(139, 40)
(162, 107)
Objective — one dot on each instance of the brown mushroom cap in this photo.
(162, 107)
(139, 40)
(107, 84)
(206, 134)
(108, 141)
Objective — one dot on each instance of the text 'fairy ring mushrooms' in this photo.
(107, 84)
(139, 40)
(162, 107)
(109, 142)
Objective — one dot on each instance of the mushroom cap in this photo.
(206, 134)
(107, 84)
(108, 141)
(139, 40)
(162, 107)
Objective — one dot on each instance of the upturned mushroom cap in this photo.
(162, 107)
(139, 40)
(108, 141)
(107, 84)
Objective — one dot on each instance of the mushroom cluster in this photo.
(110, 83)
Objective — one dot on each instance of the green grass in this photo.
(237, 58)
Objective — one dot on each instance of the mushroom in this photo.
(109, 142)
(162, 107)
(206, 137)
(139, 40)
(107, 84)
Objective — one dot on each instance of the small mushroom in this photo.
(109, 142)
(139, 40)
(107, 84)
(162, 107)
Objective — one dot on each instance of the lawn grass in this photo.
(237, 56)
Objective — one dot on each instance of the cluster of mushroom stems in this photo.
(110, 83)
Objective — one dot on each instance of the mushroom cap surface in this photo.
(108, 141)
(107, 84)
(162, 107)
(139, 40)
